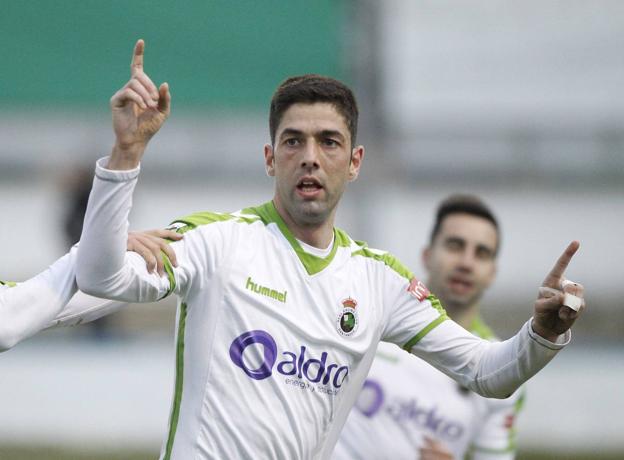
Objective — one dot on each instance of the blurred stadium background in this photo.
(520, 102)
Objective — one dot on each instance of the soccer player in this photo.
(407, 407)
(279, 312)
(52, 299)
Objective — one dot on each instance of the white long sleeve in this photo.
(104, 268)
(491, 369)
(46, 300)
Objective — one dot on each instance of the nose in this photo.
(310, 155)
(467, 261)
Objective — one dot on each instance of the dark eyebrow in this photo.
(323, 134)
(454, 239)
(483, 247)
(290, 132)
(332, 133)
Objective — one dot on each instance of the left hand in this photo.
(151, 244)
(551, 318)
(434, 450)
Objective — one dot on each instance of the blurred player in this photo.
(280, 313)
(52, 299)
(431, 417)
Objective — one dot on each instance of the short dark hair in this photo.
(309, 89)
(464, 204)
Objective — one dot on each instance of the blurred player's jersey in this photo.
(404, 399)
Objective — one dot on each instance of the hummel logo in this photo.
(265, 291)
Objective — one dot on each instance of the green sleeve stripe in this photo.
(388, 259)
(179, 380)
(170, 275)
(432, 325)
(8, 283)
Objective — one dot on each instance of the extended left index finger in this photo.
(136, 66)
(553, 279)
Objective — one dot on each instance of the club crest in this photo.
(348, 319)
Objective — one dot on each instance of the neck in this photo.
(318, 235)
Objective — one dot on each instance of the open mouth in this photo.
(309, 185)
(460, 285)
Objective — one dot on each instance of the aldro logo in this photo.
(348, 320)
(373, 401)
(256, 353)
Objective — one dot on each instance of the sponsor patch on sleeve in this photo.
(418, 289)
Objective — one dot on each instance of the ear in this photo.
(269, 160)
(426, 257)
(357, 156)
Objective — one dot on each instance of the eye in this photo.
(291, 142)
(484, 253)
(329, 142)
(454, 245)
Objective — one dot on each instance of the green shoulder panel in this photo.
(198, 219)
(7, 283)
(388, 259)
(193, 221)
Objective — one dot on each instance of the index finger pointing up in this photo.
(136, 66)
(553, 279)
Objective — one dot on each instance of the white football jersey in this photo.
(404, 400)
(274, 343)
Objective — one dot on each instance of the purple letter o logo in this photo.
(241, 342)
(373, 394)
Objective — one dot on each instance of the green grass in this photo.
(533, 455)
(52, 453)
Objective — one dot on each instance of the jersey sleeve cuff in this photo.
(115, 175)
(561, 341)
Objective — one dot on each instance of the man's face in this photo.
(312, 161)
(461, 261)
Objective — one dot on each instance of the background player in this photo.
(278, 309)
(52, 298)
(432, 415)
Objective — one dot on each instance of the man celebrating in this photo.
(431, 414)
(280, 313)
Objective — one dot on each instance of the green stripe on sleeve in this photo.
(7, 283)
(179, 380)
(170, 275)
(432, 325)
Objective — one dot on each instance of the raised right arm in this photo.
(104, 269)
